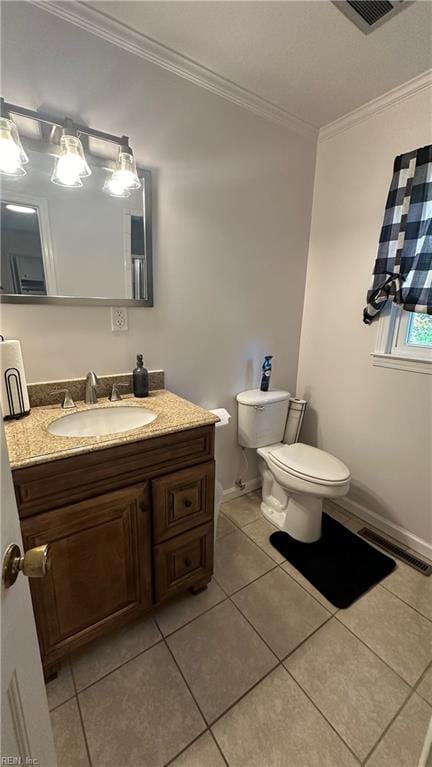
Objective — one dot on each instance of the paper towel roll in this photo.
(14, 398)
(223, 416)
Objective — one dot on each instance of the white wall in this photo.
(377, 420)
(233, 196)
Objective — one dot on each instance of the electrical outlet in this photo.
(119, 319)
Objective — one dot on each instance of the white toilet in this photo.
(295, 477)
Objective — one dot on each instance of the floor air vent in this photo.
(410, 559)
(370, 14)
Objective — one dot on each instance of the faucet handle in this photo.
(67, 400)
(115, 395)
(92, 378)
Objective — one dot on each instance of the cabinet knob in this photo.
(35, 563)
(188, 503)
(187, 562)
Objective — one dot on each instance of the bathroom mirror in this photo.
(74, 245)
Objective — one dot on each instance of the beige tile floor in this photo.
(260, 670)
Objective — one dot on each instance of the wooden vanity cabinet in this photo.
(128, 527)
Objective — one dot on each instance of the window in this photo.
(420, 330)
(404, 340)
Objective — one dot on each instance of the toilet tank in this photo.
(262, 416)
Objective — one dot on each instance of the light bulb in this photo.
(12, 155)
(114, 187)
(125, 172)
(71, 164)
(20, 208)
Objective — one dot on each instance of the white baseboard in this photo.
(236, 492)
(386, 527)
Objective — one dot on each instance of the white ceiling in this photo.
(304, 56)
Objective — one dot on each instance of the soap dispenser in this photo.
(140, 378)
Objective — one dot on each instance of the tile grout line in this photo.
(210, 724)
(420, 680)
(66, 700)
(376, 654)
(188, 622)
(405, 701)
(412, 689)
(218, 747)
(280, 565)
(316, 707)
(121, 665)
(54, 708)
(243, 695)
(81, 715)
(277, 564)
(386, 729)
(166, 764)
(305, 589)
(280, 660)
(306, 639)
(191, 694)
(233, 593)
(404, 601)
(255, 630)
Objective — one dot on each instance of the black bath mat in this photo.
(340, 565)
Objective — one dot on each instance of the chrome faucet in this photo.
(90, 388)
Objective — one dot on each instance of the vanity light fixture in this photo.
(12, 155)
(70, 162)
(71, 165)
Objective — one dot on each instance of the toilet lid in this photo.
(310, 463)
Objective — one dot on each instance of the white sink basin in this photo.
(105, 420)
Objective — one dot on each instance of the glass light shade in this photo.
(12, 155)
(125, 173)
(113, 187)
(71, 165)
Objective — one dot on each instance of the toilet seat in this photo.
(309, 463)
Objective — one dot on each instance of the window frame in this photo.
(391, 349)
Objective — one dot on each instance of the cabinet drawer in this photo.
(182, 561)
(182, 500)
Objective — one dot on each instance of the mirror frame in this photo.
(13, 298)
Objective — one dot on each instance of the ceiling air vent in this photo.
(367, 15)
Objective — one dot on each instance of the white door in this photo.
(26, 735)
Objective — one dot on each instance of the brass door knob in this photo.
(35, 563)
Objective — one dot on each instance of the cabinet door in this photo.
(100, 567)
(184, 561)
(182, 500)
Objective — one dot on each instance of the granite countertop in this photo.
(29, 441)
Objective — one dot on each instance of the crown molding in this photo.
(377, 105)
(102, 25)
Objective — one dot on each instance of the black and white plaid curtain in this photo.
(403, 267)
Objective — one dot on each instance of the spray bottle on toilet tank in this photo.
(266, 372)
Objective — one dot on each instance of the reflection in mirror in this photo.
(22, 265)
(72, 242)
